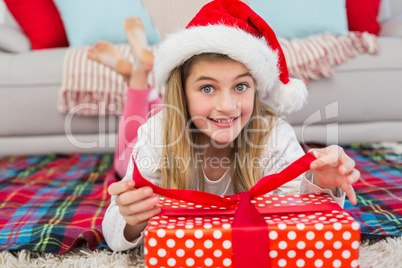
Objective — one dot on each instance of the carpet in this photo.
(386, 253)
(53, 204)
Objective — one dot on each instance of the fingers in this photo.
(133, 195)
(350, 192)
(134, 202)
(353, 177)
(333, 156)
(346, 164)
(143, 216)
(347, 187)
(135, 205)
(329, 156)
(120, 187)
(138, 205)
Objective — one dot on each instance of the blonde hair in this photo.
(175, 174)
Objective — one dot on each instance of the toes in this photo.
(132, 22)
(91, 54)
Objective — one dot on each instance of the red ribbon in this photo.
(249, 229)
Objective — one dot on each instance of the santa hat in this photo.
(232, 28)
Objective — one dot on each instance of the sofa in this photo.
(360, 103)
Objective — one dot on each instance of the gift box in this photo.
(328, 238)
(250, 228)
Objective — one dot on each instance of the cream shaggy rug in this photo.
(385, 253)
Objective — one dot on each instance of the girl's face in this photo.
(220, 98)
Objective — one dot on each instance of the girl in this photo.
(219, 130)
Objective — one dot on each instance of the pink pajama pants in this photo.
(135, 111)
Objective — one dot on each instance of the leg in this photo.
(143, 56)
(136, 106)
(105, 53)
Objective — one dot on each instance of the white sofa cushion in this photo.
(39, 67)
(392, 27)
(13, 40)
(385, 11)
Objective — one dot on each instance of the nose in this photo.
(226, 101)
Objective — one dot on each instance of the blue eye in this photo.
(241, 87)
(207, 89)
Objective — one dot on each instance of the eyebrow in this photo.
(210, 78)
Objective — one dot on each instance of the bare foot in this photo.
(105, 53)
(137, 39)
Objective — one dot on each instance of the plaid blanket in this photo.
(53, 202)
(379, 191)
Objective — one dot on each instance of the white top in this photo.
(282, 150)
(218, 187)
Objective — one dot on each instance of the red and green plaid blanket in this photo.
(379, 191)
(52, 203)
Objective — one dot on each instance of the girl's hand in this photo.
(137, 206)
(334, 168)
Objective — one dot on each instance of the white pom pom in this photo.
(288, 98)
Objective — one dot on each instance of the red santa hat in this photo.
(232, 28)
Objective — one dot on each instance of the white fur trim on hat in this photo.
(239, 45)
(287, 98)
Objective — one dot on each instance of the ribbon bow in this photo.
(249, 229)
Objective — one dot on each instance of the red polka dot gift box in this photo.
(250, 229)
(315, 239)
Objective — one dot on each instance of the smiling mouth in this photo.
(223, 121)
